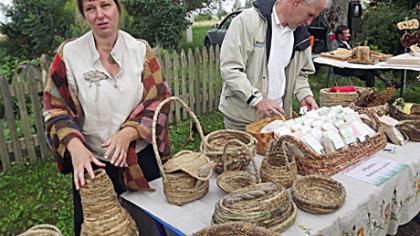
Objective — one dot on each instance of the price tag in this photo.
(407, 108)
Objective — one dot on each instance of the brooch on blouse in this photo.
(94, 77)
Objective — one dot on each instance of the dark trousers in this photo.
(147, 161)
(366, 75)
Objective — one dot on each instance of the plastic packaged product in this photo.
(328, 144)
(272, 126)
(336, 139)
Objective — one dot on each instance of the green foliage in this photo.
(36, 26)
(203, 17)
(379, 27)
(161, 23)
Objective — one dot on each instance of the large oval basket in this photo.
(234, 229)
(42, 230)
(318, 194)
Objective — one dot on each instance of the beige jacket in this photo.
(243, 59)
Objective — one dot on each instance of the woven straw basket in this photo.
(234, 229)
(42, 230)
(232, 180)
(396, 110)
(411, 128)
(263, 139)
(318, 194)
(278, 166)
(329, 99)
(213, 145)
(379, 110)
(186, 175)
(263, 204)
(102, 213)
(310, 162)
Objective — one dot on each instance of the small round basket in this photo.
(263, 139)
(213, 145)
(42, 230)
(318, 194)
(329, 99)
(232, 180)
(411, 128)
(186, 175)
(234, 229)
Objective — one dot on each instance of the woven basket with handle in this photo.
(42, 230)
(102, 213)
(278, 166)
(328, 99)
(263, 139)
(232, 180)
(318, 194)
(234, 229)
(186, 175)
(213, 145)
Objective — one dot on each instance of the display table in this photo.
(368, 209)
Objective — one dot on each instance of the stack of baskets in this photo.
(264, 204)
(310, 162)
(42, 230)
(213, 145)
(186, 175)
(263, 139)
(278, 167)
(234, 229)
(318, 194)
(329, 99)
(232, 180)
(102, 213)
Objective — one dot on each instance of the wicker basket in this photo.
(263, 139)
(102, 213)
(397, 110)
(232, 180)
(234, 229)
(278, 167)
(213, 145)
(411, 128)
(310, 162)
(186, 175)
(378, 110)
(263, 204)
(329, 99)
(318, 194)
(42, 230)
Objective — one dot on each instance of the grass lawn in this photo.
(199, 31)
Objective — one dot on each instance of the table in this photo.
(375, 210)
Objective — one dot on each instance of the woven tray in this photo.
(213, 145)
(263, 139)
(234, 229)
(329, 99)
(278, 166)
(232, 180)
(102, 212)
(411, 128)
(310, 162)
(42, 230)
(396, 110)
(263, 204)
(318, 194)
(186, 175)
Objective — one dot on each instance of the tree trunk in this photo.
(337, 13)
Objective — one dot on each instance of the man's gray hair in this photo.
(310, 2)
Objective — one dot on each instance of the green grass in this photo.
(199, 31)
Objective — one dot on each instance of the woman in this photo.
(99, 102)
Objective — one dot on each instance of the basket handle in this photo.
(283, 145)
(155, 118)
(42, 229)
(225, 157)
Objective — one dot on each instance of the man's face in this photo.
(345, 35)
(303, 13)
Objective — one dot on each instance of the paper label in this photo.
(336, 139)
(407, 108)
(313, 143)
(359, 134)
(347, 133)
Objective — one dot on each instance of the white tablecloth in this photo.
(380, 65)
(373, 210)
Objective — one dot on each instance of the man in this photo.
(266, 59)
(342, 36)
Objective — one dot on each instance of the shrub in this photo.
(203, 17)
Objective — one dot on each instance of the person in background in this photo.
(266, 59)
(342, 37)
(99, 100)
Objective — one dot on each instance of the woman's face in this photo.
(102, 16)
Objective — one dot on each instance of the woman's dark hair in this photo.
(340, 30)
(80, 6)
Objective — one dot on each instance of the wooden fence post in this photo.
(183, 82)
(197, 58)
(211, 79)
(175, 61)
(205, 98)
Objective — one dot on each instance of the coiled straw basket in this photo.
(234, 229)
(232, 180)
(263, 139)
(263, 204)
(102, 213)
(213, 145)
(318, 194)
(278, 166)
(186, 175)
(42, 230)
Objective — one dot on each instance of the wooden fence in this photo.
(193, 76)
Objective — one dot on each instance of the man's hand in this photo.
(81, 158)
(269, 108)
(309, 102)
(118, 145)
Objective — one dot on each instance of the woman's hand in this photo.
(81, 159)
(118, 145)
